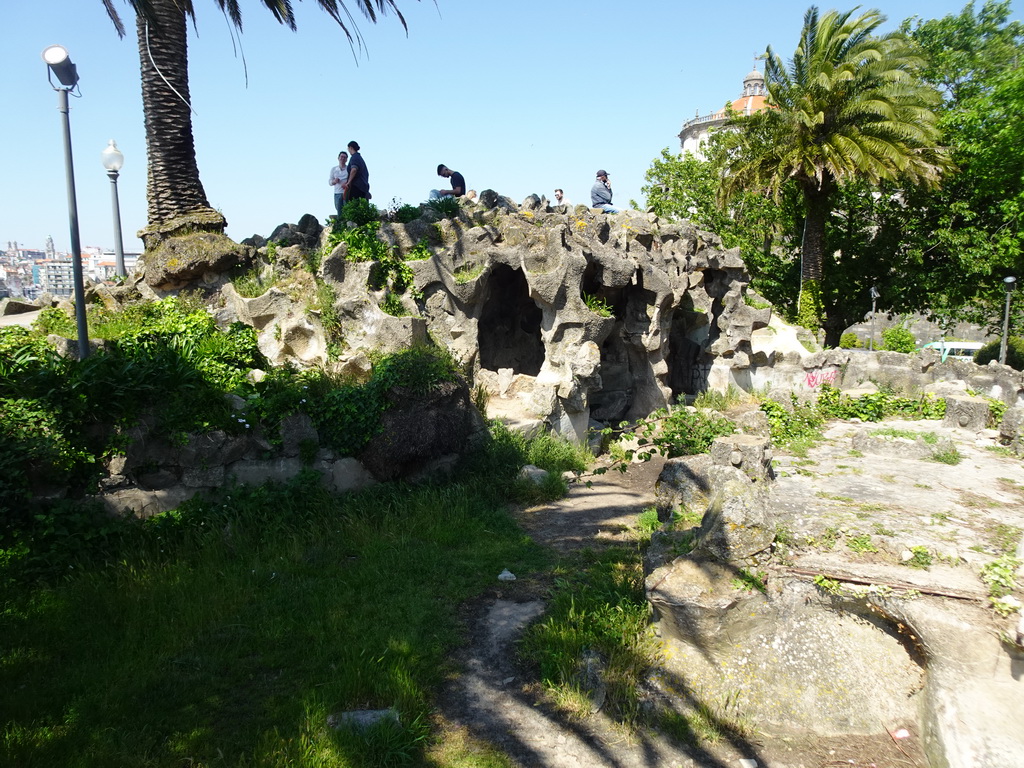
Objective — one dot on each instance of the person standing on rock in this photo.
(601, 193)
(338, 177)
(458, 183)
(357, 185)
(561, 199)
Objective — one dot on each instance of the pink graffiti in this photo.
(817, 378)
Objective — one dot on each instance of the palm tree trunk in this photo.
(175, 196)
(817, 205)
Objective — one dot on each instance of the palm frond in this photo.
(114, 17)
(282, 10)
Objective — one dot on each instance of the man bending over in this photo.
(458, 183)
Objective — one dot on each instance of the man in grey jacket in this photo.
(601, 193)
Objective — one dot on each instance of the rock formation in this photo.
(568, 315)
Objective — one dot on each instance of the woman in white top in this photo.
(339, 175)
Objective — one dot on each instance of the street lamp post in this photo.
(1009, 283)
(112, 161)
(61, 67)
(874, 300)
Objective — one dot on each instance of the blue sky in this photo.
(521, 97)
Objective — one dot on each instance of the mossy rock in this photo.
(177, 261)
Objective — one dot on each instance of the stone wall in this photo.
(418, 437)
(853, 369)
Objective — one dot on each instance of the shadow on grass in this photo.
(492, 701)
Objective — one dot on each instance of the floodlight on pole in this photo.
(113, 159)
(60, 65)
(1009, 283)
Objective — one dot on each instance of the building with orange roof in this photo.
(696, 131)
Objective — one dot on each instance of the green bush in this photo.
(811, 309)
(362, 241)
(875, 406)
(687, 432)
(53, 320)
(359, 211)
(392, 305)
(448, 206)
(597, 305)
(407, 213)
(1014, 353)
(798, 424)
(252, 282)
(420, 251)
(850, 341)
(898, 339)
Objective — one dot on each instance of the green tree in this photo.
(688, 187)
(175, 196)
(967, 235)
(850, 107)
(967, 51)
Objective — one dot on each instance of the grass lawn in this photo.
(224, 634)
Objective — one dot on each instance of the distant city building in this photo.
(56, 277)
(29, 272)
(696, 131)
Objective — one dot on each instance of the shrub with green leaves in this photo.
(53, 320)
(420, 251)
(407, 213)
(811, 308)
(363, 241)
(359, 212)
(392, 305)
(686, 432)
(1014, 353)
(166, 360)
(850, 341)
(875, 406)
(798, 424)
(448, 206)
(253, 282)
(898, 338)
(597, 305)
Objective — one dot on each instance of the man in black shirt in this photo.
(458, 182)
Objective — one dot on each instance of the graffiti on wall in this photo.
(817, 378)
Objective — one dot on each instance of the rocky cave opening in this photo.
(689, 367)
(593, 285)
(509, 326)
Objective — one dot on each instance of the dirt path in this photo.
(492, 698)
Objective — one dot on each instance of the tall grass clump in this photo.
(711, 399)
(508, 448)
(597, 608)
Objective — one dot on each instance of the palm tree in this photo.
(175, 196)
(850, 107)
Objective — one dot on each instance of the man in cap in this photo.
(601, 193)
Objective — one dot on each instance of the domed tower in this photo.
(695, 132)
